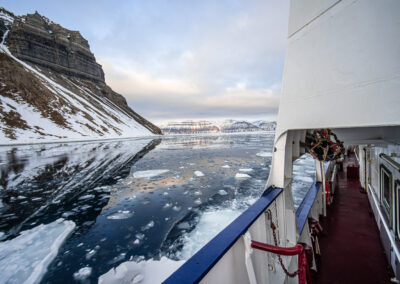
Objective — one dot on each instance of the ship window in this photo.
(386, 191)
(398, 208)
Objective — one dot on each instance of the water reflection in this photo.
(62, 180)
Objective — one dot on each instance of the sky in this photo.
(173, 60)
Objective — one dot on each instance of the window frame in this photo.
(388, 208)
(397, 207)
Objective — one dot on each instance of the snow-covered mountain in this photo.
(52, 88)
(227, 126)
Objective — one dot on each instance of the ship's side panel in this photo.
(382, 168)
(342, 69)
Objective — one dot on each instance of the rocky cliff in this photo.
(51, 86)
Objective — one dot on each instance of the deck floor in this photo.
(350, 245)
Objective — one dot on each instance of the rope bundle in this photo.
(324, 145)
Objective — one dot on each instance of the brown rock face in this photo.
(36, 39)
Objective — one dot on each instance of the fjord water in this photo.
(133, 199)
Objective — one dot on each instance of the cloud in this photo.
(135, 83)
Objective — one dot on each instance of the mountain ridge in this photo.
(226, 126)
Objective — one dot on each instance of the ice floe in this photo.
(148, 226)
(242, 176)
(149, 173)
(25, 258)
(245, 170)
(222, 192)
(264, 154)
(141, 272)
(198, 174)
(121, 214)
(82, 273)
(226, 166)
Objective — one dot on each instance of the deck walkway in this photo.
(350, 245)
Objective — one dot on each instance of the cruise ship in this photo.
(341, 103)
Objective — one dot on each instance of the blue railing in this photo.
(193, 270)
(305, 206)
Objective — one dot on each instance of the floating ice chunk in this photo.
(21, 197)
(242, 176)
(197, 201)
(264, 154)
(245, 170)
(210, 224)
(141, 272)
(148, 226)
(176, 208)
(90, 254)
(121, 214)
(165, 193)
(82, 273)
(198, 192)
(167, 205)
(226, 166)
(88, 196)
(198, 174)
(222, 192)
(25, 258)
(149, 173)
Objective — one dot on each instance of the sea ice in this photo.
(264, 154)
(148, 226)
(82, 273)
(245, 170)
(25, 258)
(222, 192)
(226, 166)
(149, 173)
(197, 201)
(176, 208)
(88, 196)
(121, 214)
(242, 176)
(141, 272)
(198, 174)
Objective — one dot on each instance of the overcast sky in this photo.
(182, 59)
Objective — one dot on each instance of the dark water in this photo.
(120, 217)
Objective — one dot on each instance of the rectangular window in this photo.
(386, 192)
(397, 218)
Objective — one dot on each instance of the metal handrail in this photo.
(388, 159)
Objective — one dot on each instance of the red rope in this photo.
(303, 270)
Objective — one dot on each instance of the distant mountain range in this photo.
(227, 126)
(52, 88)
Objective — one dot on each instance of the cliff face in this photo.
(51, 86)
(38, 40)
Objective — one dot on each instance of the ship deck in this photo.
(350, 244)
